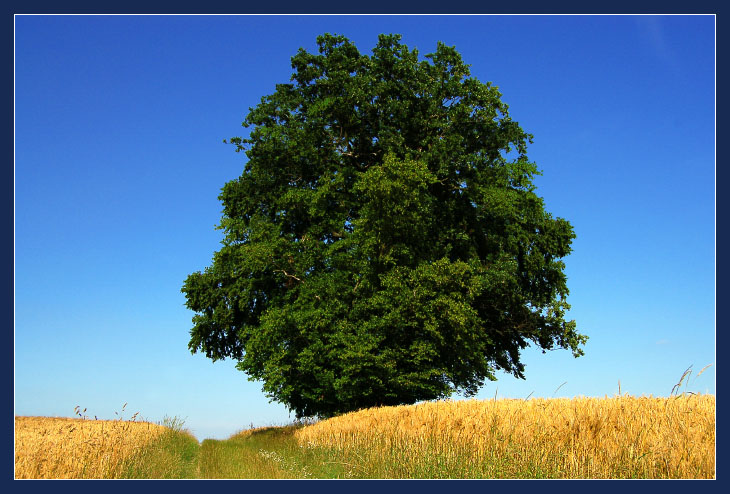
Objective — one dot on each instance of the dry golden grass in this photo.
(65, 448)
(620, 437)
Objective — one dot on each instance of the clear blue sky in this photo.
(119, 122)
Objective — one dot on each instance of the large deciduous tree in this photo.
(384, 244)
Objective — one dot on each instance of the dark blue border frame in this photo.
(373, 7)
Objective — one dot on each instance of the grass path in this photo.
(267, 453)
(235, 459)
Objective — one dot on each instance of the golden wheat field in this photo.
(619, 437)
(65, 448)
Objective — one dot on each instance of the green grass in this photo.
(273, 453)
(430, 459)
(173, 455)
(268, 453)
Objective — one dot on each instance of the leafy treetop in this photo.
(384, 244)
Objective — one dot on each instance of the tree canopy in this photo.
(385, 243)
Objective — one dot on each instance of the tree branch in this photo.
(287, 274)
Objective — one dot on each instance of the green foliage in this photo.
(385, 243)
